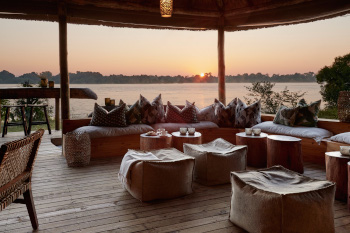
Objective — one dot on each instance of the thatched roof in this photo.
(233, 15)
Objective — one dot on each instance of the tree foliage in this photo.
(333, 79)
(270, 100)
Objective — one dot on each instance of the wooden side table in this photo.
(285, 151)
(256, 156)
(348, 185)
(337, 171)
(155, 142)
(179, 139)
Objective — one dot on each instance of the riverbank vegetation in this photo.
(97, 78)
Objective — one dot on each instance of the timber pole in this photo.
(221, 64)
(63, 51)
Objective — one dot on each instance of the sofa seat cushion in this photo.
(342, 138)
(306, 132)
(173, 127)
(101, 132)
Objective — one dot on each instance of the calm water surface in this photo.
(202, 94)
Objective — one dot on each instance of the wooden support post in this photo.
(57, 113)
(0, 115)
(65, 92)
(221, 65)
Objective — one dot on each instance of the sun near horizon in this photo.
(202, 75)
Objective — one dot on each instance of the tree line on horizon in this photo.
(97, 78)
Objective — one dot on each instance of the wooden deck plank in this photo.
(91, 199)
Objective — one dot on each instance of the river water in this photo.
(202, 94)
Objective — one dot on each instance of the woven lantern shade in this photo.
(344, 106)
(166, 8)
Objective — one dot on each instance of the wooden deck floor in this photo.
(91, 199)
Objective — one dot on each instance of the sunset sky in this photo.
(27, 46)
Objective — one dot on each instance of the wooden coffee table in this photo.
(285, 151)
(337, 171)
(256, 156)
(155, 142)
(180, 139)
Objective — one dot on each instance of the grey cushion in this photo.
(280, 200)
(307, 132)
(215, 160)
(173, 127)
(100, 132)
(342, 138)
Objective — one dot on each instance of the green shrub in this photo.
(329, 113)
(271, 100)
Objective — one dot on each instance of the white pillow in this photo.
(342, 138)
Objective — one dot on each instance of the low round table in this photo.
(180, 139)
(348, 185)
(256, 156)
(337, 171)
(155, 142)
(285, 151)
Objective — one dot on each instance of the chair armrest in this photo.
(72, 124)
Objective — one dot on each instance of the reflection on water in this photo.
(202, 94)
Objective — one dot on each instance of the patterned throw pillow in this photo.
(114, 118)
(286, 116)
(176, 115)
(152, 113)
(204, 114)
(108, 108)
(307, 115)
(225, 115)
(247, 116)
(133, 113)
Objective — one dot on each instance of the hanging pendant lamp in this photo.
(166, 8)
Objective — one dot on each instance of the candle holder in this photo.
(44, 82)
(345, 150)
(51, 84)
(108, 101)
(183, 131)
(112, 102)
(191, 131)
(256, 132)
(248, 131)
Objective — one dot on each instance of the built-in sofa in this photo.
(106, 143)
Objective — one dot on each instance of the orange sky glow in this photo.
(28, 46)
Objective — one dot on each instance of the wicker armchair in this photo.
(16, 166)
